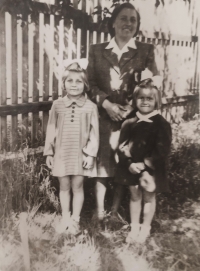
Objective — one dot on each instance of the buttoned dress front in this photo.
(72, 132)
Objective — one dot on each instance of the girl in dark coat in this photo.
(143, 148)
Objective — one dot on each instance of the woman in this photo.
(114, 69)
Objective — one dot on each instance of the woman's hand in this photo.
(88, 162)
(136, 168)
(127, 109)
(113, 110)
(49, 161)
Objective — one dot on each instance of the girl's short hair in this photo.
(148, 83)
(114, 15)
(75, 67)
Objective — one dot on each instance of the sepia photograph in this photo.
(99, 135)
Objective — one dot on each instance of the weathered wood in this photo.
(14, 94)
(24, 108)
(46, 105)
(3, 122)
(25, 79)
(35, 95)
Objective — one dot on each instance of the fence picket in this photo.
(24, 79)
(3, 121)
(35, 94)
(14, 94)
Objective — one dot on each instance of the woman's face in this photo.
(74, 84)
(125, 24)
(145, 101)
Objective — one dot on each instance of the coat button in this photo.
(72, 111)
(73, 107)
(72, 120)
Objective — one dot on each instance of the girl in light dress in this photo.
(72, 142)
(143, 148)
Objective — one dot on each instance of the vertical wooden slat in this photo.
(35, 116)
(46, 59)
(14, 82)
(46, 74)
(61, 50)
(41, 65)
(55, 57)
(84, 33)
(25, 80)
(41, 55)
(3, 123)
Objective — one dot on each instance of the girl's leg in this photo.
(100, 191)
(78, 195)
(135, 211)
(77, 203)
(65, 187)
(149, 207)
(135, 203)
(148, 213)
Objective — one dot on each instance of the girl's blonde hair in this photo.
(75, 67)
(148, 83)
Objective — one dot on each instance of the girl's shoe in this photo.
(63, 224)
(74, 227)
(133, 234)
(143, 234)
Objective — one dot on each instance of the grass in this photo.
(174, 244)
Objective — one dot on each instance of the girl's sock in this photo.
(144, 233)
(134, 233)
(64, 223)
(74, 227)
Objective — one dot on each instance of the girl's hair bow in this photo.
(82, 63)
(156, 80)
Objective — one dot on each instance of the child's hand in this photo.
(49, 161)
(88, 162)
(136, 168)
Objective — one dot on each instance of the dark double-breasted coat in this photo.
(146, 142)
(113, 80)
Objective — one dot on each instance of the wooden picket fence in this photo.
(31, 60)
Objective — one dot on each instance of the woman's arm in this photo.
(96, 95)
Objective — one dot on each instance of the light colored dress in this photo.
(72, 132)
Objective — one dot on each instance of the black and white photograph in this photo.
(99, 135)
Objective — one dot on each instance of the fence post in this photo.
(3, 123)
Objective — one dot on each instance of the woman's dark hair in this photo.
(114, 15)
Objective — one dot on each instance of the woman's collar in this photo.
(112, 44)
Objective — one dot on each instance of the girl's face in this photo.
(125, 24)
(145, 101)
(74, 84)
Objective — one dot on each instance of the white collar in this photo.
(115, 49)
(80, 102)
(147, 117)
